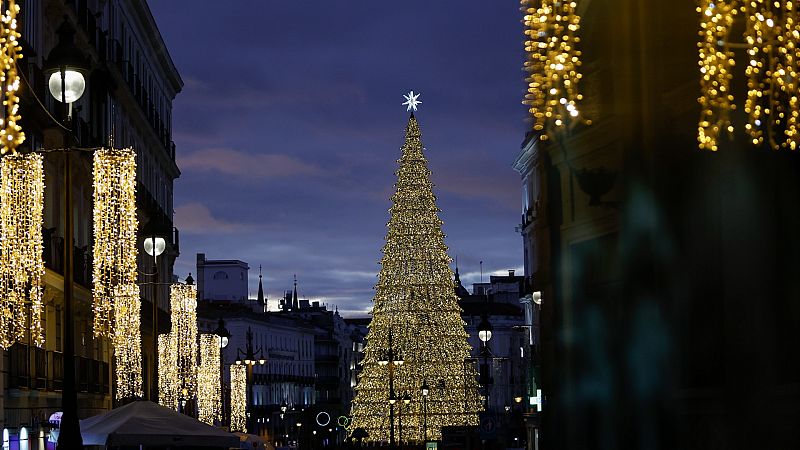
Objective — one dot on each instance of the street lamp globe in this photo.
(484, 329)
(425, 388)
(407, 398)
(73, 82)
(155, 245)
(65, 67)
(283, 407)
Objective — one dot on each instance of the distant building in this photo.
(222, 279)
(310, 352)
(333, 356)
(507, 358)
(288, 345)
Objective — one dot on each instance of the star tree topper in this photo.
(411, 101)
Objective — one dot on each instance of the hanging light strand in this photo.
(21, 243)
(772, 105)
(183, 301)
(11, 134)
(115, 227)
(238, 398)
(716, 69)
(168, 385)
(553, 62)
(128, 341)
(208, 387)
(771, 37)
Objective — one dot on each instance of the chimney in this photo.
(511, 272)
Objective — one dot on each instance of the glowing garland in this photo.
(553, 62)
(239, 398)
(183, 302)
(771, 37)
(11, 134)
(115, 227)
(168, 379)
(208, 387)
(415, 301)
(128, 341)
(21, 266)
(716, 65)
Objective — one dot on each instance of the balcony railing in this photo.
(35, 368)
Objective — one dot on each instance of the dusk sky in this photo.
(290, 124)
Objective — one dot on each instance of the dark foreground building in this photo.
(130, 85)
(669, 274)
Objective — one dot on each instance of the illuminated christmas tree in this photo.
(416, 318)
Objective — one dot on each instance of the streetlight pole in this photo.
(391, 359)
(406, 401)
(250, 360)
(224, 337)
(65, 66)
(155, 246)
(485, 334)
(425, 390)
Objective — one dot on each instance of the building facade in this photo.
(222, 279)
(504, 357)
(310, 355)
(130, 87)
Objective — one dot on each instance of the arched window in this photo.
(220, 275)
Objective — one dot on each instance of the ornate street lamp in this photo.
(485, 335)
(224, 337)
(64, 68)
(391, 359)
(250, 357)
(406, 400)
(154, 246)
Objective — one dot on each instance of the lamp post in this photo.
(64, 69)
(406, 400)
(389, 358)
(425, 390)
(155, 246)
(485, 335)
(299, 424)
(249, 359)
(224, 337)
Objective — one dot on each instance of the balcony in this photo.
(36, 368)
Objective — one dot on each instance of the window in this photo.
(220, 275)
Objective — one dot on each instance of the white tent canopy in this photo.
(151, 425)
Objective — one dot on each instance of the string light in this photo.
(128, 341)
(183, 302)
(115, 227)
(772, 34)
(415, 301)
(208, 387)
(772, 31)
(553, 62)
(21, 266)
(169, 381)
(238, 398)
(716, 66)
(11, 135)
